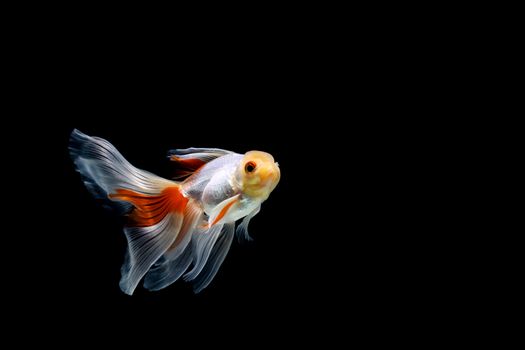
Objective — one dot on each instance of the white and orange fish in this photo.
(177, 227)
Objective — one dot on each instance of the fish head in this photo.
(258, 174)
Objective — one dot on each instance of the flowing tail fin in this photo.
(156, 206)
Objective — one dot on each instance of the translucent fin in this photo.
(216, 258)
(190, 160)
(242, 228)
(145, 246)
(165, 272)
(192, 217)
(155, 205)
(204, 154)
(202, 243)
(104, 169)
(178, 257)
(81, 151)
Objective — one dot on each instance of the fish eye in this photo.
(250, 167)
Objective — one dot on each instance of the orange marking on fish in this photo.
(190, 163)
(187, 165)
(223, 212)
(150, 210)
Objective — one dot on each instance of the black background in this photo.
(339, 239)
(328, 240)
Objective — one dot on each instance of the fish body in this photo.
(177, 228)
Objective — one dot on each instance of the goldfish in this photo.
(179, 227)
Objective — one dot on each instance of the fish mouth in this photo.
(274, 176)
(270, 175)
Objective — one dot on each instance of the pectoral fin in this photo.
(220, 212)
(242, 229)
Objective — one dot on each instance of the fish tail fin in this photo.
(155, 206)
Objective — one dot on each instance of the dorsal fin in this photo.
(189, 160)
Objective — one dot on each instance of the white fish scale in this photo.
(194, 185)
